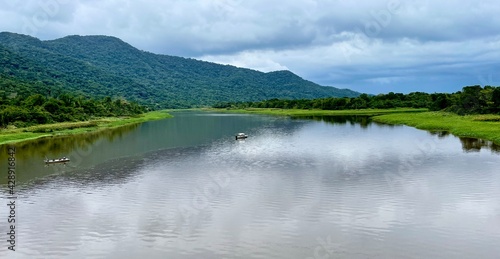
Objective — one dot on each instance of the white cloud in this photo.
(255, 60)
(341, 43)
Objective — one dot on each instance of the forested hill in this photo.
(101, 66)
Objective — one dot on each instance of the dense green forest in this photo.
(80, 77)
(21, 110)
(100, 66)
(471, 100)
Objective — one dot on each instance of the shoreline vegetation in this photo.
(482, 126)
(473, 112)
(314, 112)
(9, 136)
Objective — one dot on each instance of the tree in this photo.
(67, 99)
(471, 101)
(495, 98)
(53, 105)
(34, 100)
(12, 114)
(440, 102)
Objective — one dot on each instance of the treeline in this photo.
(471, 100)
(101, 66)
(36, 109)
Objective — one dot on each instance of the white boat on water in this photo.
(56, 161)
(241, 136)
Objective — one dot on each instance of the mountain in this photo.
(107, 66)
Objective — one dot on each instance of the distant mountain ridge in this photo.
(106, 66)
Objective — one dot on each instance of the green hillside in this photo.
(106, 66)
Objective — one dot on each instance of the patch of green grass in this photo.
(474, 126)
(300, 112)
(487, 117)
(16, 137)
(66, 128)
(47, 128)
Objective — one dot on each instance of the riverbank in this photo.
(474, 126)
(68, 128)
(485, 127)
(299, 112)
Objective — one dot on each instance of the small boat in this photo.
(56, 161)
(241, 136)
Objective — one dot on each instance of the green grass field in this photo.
(474, 126)
(66, 128)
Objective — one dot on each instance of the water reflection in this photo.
(468, 144)
(91, 149)
(31, 154)
(475, 145)
(188, 129)
(363, 121)
(440, 134)
(112, 172)
(184, 188)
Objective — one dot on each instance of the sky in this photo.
(375, 46)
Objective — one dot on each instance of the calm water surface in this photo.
(296, 188)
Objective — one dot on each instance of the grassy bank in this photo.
(299, 112)
(66, 128)
(474, 126)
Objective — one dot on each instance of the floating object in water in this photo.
(241, 136)
(56, 161)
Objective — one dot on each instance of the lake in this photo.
(319, 187)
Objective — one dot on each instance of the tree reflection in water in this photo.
(363, 121)
(30, 154)
(475, 145)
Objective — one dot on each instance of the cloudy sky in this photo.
(370, 46)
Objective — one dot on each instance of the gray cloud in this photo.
(371, 46)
